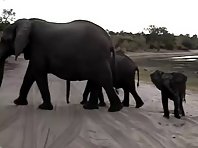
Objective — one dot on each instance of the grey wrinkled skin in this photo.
(172, 86)
(78, 50)
(125, 79)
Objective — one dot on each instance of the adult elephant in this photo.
(124, 78)
(173, 86)
(78, 50)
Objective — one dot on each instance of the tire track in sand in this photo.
(72, 131)
(112, 129)
(8, 116)
(29, 140)
(136, 119)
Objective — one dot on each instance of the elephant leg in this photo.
(42, 83)
(93, 100)
(125, 102)
(115, 103)
(165, 104)
(182, 109)
(101, 97)
(26, 85)
(138, 100)
(86, 92)
(181, 106)
(176, 107)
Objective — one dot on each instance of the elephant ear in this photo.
(156, 78)
(22, 36)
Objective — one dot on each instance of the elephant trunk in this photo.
(2, 63)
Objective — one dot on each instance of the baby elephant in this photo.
(173, 86)
(125, 78)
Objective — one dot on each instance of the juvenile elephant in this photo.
(173, 86)
(124, 78)
(78, 50)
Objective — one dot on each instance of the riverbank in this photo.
(165, 61)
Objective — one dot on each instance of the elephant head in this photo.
(13, 41)
(156, 78)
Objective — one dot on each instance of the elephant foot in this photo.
(20, 101)
(125, 104)
(182, 113)
(115, 107)
(166, 116)
(90, 106)
(83, 102)
(102, 104)
(138, 105)
(177, 116)
(46, 106)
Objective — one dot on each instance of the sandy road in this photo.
(70, 126)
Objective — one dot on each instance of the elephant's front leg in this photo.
(26, 85)
(176, 106)
(42, 82)
(165, 104)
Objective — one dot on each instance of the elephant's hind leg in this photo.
(26, 85)
(125, 102)
(86, 92)
(93, 100)
(101, 98)
(138, 100)
(182, 109)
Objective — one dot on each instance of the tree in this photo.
(159, 37)
(7, 16)
(152, 29)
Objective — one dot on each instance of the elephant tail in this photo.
(138, 76)
(68, 91)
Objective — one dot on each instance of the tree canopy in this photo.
(7, 16)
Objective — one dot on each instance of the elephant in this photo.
(124, 78)
(172, 86)
(76, 51)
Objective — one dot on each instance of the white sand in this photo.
(70, 126)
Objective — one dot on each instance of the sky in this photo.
(178, 16)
